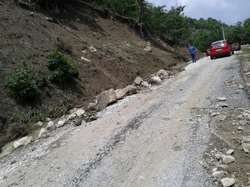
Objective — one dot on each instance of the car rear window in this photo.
(218, 44)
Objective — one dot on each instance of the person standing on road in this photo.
(192, 52)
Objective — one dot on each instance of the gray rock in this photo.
(227, 159)
(241, 87)
(145, 84)
(215, 114)
(222, 105)
(222, 118)
(148, 49)
(23, 141)
(42, 133)
(50, 125)
(221, 99)
(61, 123)
(227, 182)
(92, 49)
(80, 112)
(219, 174)
(230, 151)
(138, 80)
(128, 90)
(49, 19)
(240, 128)
(163, 74)
(106, 98)
(246, 147)
(39, 124)
(155, 80)
(71, 116)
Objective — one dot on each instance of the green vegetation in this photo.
(22, 83)
(61, 68)
(173, 26)
(64, 47)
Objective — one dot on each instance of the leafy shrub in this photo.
(42, 80)
(22, 84)
(62, 68)
(64, 47)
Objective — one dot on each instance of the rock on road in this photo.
(149, 139)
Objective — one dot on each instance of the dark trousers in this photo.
(193, 57)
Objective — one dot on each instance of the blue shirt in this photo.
(192, 50)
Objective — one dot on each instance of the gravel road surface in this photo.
(154, 138)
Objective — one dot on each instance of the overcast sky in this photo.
(228, 11)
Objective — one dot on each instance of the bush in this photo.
(64, 47)
(62, 69)
(22, 84)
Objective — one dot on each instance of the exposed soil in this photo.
(120, 56)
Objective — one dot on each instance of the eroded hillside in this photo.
(107, 51)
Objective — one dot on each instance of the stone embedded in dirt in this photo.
(246, 139)
(138, 80)
(230, 151)
(222, 118)
(218, 155)
(92, 49)
(163, 74)
(240, 117)
(31, 13)
(106, 98)
(50, 125)
(219, 174)
(227, 159)
(80, 112)
(246, 147)
(215, 114)
(240, 128)
(42, 133)
(49, 19)
(85, 59)
(23, 141)
(241, 87)
(227, 182)
(221, 99)
(222, 105)
(61, 123)
(242, 123)
(155, 80)
(148, 48)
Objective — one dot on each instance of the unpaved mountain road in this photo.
(155, 138)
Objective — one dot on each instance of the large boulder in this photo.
(163, 74)
(23, 141)
(128, 90)
(155, 80)
(106, 98)
(138, 80)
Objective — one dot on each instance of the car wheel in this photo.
(232, 52)
(211, 57)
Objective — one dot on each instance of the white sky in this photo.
(228, 11)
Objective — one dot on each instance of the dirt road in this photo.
(155, 138)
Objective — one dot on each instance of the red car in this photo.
(220, 48)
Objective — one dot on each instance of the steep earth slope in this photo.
(120, 56)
